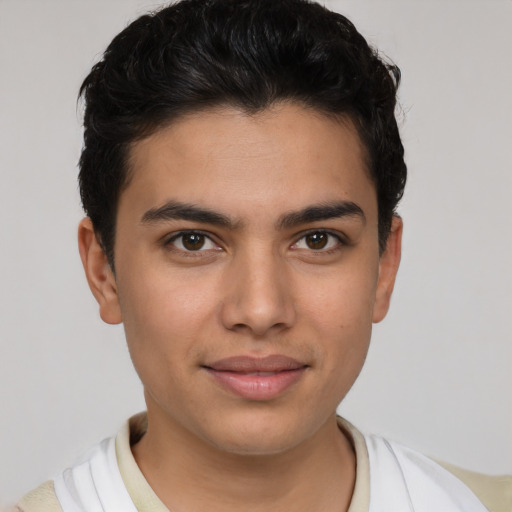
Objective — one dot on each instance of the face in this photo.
(247, 274)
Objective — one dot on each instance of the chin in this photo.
(258, 436)
(257, 447)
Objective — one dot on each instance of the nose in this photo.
(258, 295)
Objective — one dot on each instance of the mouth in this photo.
(257, 379)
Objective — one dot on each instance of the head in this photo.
(197, 54)
(241, 169)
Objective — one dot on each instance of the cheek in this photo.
(344, 303)
(163, 315)
(339, 314)
(163, 328)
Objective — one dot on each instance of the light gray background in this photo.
(438, 375)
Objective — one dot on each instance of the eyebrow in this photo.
(175, 210)
(325, 211)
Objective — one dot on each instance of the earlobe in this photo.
(388, 268)
(98, 272)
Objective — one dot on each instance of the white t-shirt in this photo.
(389, 477)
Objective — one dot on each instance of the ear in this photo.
(388, 267)
(99, 275)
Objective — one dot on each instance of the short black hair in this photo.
(249, 54)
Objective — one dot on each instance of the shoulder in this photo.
(441, 486)
(495, 492)
(42, 499)
(98, 477)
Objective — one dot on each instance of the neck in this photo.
(189, 474)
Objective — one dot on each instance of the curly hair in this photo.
(248, 54)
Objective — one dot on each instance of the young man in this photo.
(240, 175)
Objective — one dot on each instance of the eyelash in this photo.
(340, 241)
(169, 242)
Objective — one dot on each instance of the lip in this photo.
(257, 379)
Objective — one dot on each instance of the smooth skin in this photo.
(242, 235)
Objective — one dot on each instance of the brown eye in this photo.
(317, 241)
(193, 241)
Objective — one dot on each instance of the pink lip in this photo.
(257, 378)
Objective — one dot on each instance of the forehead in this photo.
(286, 156)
